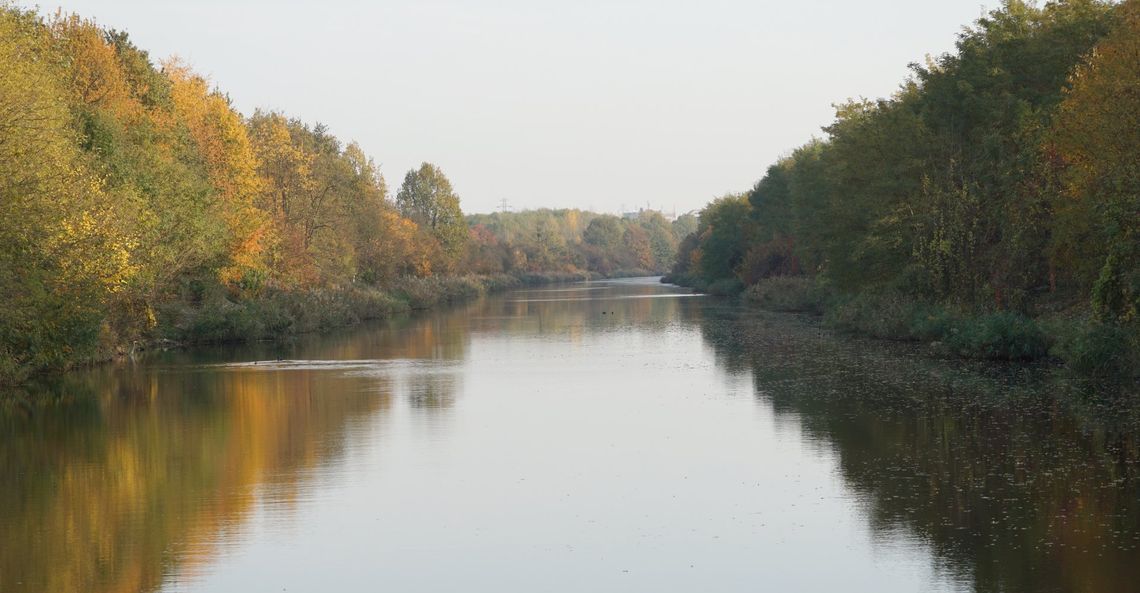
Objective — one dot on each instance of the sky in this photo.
(603, 105)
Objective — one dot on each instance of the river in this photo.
(605, 436)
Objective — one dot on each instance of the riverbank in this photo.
(274, 314)
(1071, 337)
(278, 314)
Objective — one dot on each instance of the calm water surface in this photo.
(610, 436)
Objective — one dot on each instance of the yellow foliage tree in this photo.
(231, 164)
(399, 247)
(95, 76)
(61, 254)
(286, 171)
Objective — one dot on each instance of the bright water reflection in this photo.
(573, 438)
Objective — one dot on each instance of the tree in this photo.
(773, 220)
(148, 163)
(426, 197)
(662, 245)
(982, 217)
(62, 249)
(683, 226)
(604, 232)
(223, 142)
(1097, 142)
(637, 253)
(723, 237)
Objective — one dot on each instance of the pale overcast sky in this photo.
(580, 103)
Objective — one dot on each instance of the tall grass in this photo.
(1086, 346)
(275, 314)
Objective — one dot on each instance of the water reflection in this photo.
(121, 479)
(1017, 484)
(132, 472)
(578, 437)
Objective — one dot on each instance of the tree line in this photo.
(1000, 178)
(570, 240)
(132, 193)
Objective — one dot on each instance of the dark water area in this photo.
(605, 436)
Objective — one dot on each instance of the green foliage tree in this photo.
(573, 241)
(1096, 138)
(724, 233)
(603, 243)
(1000, 179)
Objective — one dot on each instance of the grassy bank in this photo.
(1071, 337)
(278, 314)
(721, 287)
(216, 317)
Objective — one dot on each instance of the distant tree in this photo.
(485, 253)
(662, 243)
(604, 232)
(684, 225)
(637, 253)
(426, 197)
(602, 243)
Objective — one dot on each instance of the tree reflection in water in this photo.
(123, 479)
(1019, 481)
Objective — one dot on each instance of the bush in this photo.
(536, 278)
(228, 323)
(995, 336)
(886, 315)
(631, 273)
(11, 372)
(686, 280)
(931, 323)
(792, 294)
(1101, 351)
(725, 287)
(500, 282)
(1089, 348)
(281, 313)
(998, 336)
(425, 293)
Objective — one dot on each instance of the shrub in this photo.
(425, 293)
(230, 323)
(931, 323)
(998, 336)
(886, 315)
(535, 278)
(725, 287)
(630, 273)
(1101, 351)
(793, 294)
(280, 313)
(686, 280)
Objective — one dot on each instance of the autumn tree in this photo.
(603, 242)
(426, 197)
(148, 163)
(222, 141)
(61, 253)
(662, 243)
(1097, 139)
